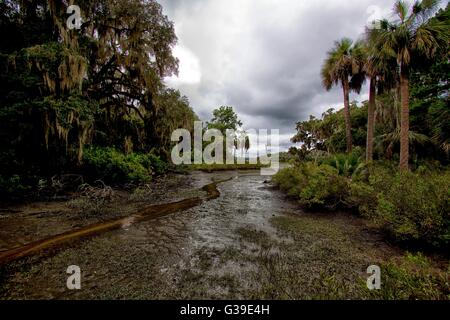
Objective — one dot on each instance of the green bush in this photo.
(288, 180)
(413, 207)
(409, 207)
(110, 165)
(346, 164)
(322, 186)
(315, 186)
(365, 185)
(361, 197)
(158, 165)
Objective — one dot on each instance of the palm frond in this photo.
(432, 36)
(427, 8)
(339, 63)
(401, 10)
(415, 138)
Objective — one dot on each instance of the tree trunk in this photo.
(371, 121)
(348, 127)
(404, 122)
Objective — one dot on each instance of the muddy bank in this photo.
(151, 212)
(31, 222)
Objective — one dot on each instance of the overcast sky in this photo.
(263, 57)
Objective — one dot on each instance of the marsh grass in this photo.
(336, 269)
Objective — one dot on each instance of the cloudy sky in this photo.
(263, 57)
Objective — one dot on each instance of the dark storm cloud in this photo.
(263, 57)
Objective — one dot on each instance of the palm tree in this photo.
(411, 38)
(339, 68)
(372, 74)
(377, 67)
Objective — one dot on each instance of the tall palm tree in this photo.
(339, 68)
(411, 38)
(377, 67)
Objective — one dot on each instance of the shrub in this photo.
(361, 197)
(409, 207)
(314, 186)
(322, 186)
(364, 187)
(346, 164)
(111, 165)
(158, 165)
(416, 208)
(288, 180)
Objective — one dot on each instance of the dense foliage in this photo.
(62, 90)
(409, 207)
(110, 165)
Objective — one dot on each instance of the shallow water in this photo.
(216, 247)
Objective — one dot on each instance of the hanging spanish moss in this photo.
(102, 85)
